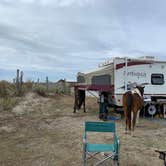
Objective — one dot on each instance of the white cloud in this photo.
(27, 1)
(66, 35)
(55, 3)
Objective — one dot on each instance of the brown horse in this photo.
(132, 103)
(79, 99)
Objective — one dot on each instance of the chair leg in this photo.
(102, 161)
(117, 161)
(84, 159)
(84, 155)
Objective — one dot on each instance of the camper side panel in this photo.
(152, 75)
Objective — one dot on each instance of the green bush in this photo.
(40, 90)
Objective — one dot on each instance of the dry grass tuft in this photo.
(6, 89)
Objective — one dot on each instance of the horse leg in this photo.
(129, 121)
(132, 116)
(137, 118)
(126, 124)
(74, 109)
(84, 106)
(125, 114)
(129, 124)
(75, 99)
(134, 119)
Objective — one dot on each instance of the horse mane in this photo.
(136, 91)
(141, 90)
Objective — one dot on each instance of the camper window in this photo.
(101, 79)
(157, 79)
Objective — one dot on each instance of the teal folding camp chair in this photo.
(110, 151)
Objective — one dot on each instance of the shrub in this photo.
(40, 90)
(8, 103)
(28, 85)
(6, 89)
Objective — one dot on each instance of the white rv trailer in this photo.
(123, 73)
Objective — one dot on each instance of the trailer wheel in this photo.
(151, 110)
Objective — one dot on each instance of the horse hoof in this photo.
(133, 134)
(125, 132)
(130, 133)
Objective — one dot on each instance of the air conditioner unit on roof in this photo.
(147, 57)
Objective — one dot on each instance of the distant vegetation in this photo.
(60, 87)
(40, 90)
(10, 94)
(6, 89)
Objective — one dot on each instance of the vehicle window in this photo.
(157, 79)
(101, 80)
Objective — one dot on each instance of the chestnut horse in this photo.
(132, 103)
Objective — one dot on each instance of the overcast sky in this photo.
(58, 38)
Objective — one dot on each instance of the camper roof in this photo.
(147, 58)
(99, 68)
(109, 63)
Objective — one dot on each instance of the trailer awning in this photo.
(95, 87)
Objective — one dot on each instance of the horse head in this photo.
(141, 89)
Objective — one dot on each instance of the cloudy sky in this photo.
(58, 38)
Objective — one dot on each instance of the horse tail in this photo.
(129, 112)
(129, 102)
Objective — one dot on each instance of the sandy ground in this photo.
(44, 132)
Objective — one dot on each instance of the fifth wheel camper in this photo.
(122, 74)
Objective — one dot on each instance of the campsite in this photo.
(44, 123)
(44, 131)
(82, 83)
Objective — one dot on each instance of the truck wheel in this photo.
(151, 110)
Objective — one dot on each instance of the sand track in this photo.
(44, 132)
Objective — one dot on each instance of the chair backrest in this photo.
(99, 127)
